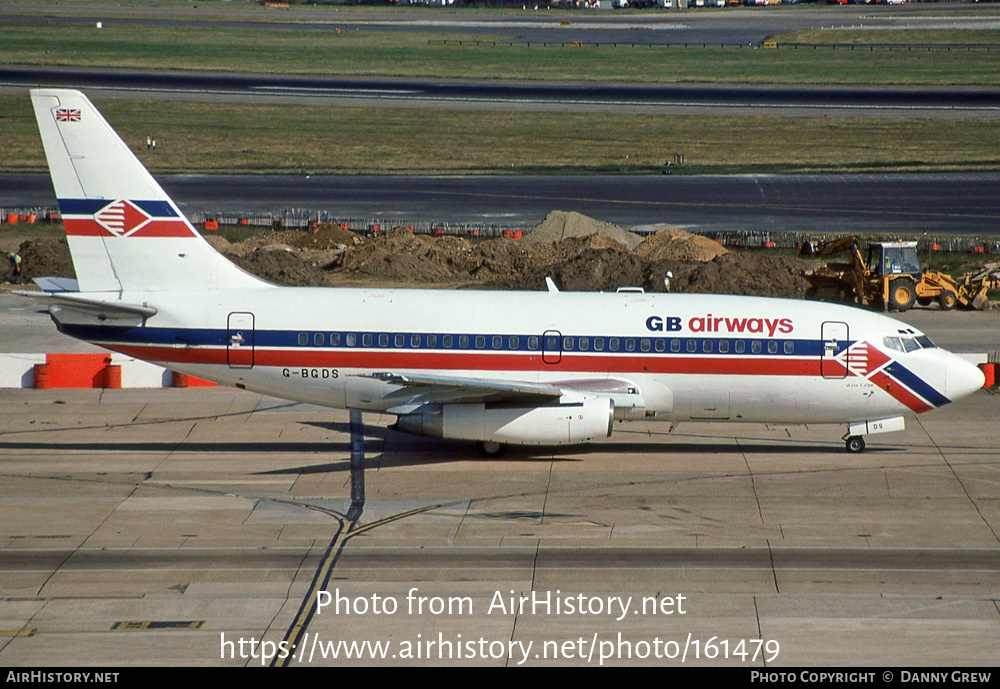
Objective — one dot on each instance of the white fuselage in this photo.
(660, 356)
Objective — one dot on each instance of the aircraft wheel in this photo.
(947, 301)
(902, 294)
(490, 449)
(855, 444)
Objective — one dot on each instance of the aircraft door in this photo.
(240, 340)
(552, 347)
(835, 340)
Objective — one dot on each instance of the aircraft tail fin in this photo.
(124, 232)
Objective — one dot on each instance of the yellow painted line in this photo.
(133, 625)
(11, 633)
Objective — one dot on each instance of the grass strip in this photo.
(426, 55)
(294, 139)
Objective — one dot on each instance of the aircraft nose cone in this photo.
(962, 378)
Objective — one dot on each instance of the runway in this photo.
(154, 526)
(720, 99)
(960, 203)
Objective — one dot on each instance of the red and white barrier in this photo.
(100, 370)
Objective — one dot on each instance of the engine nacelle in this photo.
(555, 424)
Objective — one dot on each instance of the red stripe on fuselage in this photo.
(466, 361)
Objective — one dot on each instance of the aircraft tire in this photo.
(855, 444)
(489, 450)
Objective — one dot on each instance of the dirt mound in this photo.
(220, 244)
(747, 273)
(678, 245)
(45, 257)
(560, 225)
(325, 236)
(281, 266)
(402, 255)
(591, 261)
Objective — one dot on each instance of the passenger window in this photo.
(675, 345)
(723, 346)
(789, 347)
(661, 345)
(629, 344)
(497, 342)
(432, 341)
(755, 347)
(706, 346)
(598, 344)
(366, 340)
(414, 341)
(740, 346)
(319, 339)
(334, 339)
(399, 340)
(351, 339)
(692, 346)
(533, 342)
(447, 341)
(645, 344)
(514, 342)
(303, 339)
(480, 341)
(584, 343)
(613, 344)
(772, 347)
(463, 341)
(568, 344)
(383, 340)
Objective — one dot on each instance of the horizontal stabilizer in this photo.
(94, 307)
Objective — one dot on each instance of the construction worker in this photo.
(666, 281)
(15, 267)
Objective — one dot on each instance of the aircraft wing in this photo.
(433, 389)
(420, 389)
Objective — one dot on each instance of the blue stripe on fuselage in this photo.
(915, 383)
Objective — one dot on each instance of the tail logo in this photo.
(122, 218)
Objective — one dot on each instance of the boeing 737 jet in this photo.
(543, 367)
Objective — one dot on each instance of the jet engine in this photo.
(555, 424)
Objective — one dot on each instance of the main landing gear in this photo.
(490, 449)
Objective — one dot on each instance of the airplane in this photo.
(498, 368)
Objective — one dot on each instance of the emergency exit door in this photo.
(834, 342)
(240, 340)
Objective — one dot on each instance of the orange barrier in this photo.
(42, 377)
(183, 380)
(12, 218)
(112, 376)
(989, 370)
(211, 224)
(75, 371)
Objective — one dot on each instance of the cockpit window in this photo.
(892, 343)
(925, 342)
(910, 345)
